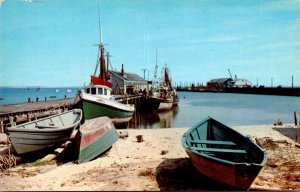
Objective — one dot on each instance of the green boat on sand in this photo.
(94, 138)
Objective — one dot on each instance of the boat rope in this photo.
(7, 161)
(115, 146)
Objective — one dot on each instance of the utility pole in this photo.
(144, 72)
(292, 81)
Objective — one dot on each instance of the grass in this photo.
(39, 163)
(147, 173)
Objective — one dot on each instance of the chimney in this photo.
(122, 70)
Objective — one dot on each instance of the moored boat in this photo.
(44, 133)
(94, 138)
(223, 154)
(165, 94)
(97, 100)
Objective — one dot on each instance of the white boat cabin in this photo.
(98, 90)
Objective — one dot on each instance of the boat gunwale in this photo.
(20, 128)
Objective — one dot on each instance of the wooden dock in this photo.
(20, 113)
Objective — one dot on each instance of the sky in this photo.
(52, 42)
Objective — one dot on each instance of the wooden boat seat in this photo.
(240, 151)
(213, 142)
(46, 126)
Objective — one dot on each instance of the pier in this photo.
(280, 91)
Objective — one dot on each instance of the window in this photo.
(105, 91)
(100, 91)
(93, 91)
(87, 90)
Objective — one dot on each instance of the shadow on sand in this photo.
(179, 174)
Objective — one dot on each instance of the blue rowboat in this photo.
(223, 154)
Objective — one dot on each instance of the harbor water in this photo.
(9, 95)
(228, 108)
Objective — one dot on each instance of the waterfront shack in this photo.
(128, 83)
(219, 83)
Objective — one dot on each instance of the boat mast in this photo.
(101, 47)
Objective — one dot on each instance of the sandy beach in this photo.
(157, 163)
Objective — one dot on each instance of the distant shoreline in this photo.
(17, 87)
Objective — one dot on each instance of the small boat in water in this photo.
(94, 138)
(223, 154)
(44, 133)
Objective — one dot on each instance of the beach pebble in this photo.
(163, 152)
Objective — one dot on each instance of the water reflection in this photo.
(153, 119)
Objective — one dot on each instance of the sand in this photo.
(157, 163)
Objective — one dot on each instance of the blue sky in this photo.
(50, 42)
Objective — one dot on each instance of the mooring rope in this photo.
(7, 161)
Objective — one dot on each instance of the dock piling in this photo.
(295, 117)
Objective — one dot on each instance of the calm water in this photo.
(21, 95)
(230, 109)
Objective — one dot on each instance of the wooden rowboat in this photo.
(95, 137)
(223, 154)
(44, 133)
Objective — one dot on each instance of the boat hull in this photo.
(94, 109)
(237, 176)
(94, 138)
(165, 104)
(38, 135)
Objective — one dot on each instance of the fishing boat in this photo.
(223, 154)
(97, 99)
(165, 94)
(44, 133)
(94, 138)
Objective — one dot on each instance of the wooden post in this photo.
(2, 126)
(295, 118)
